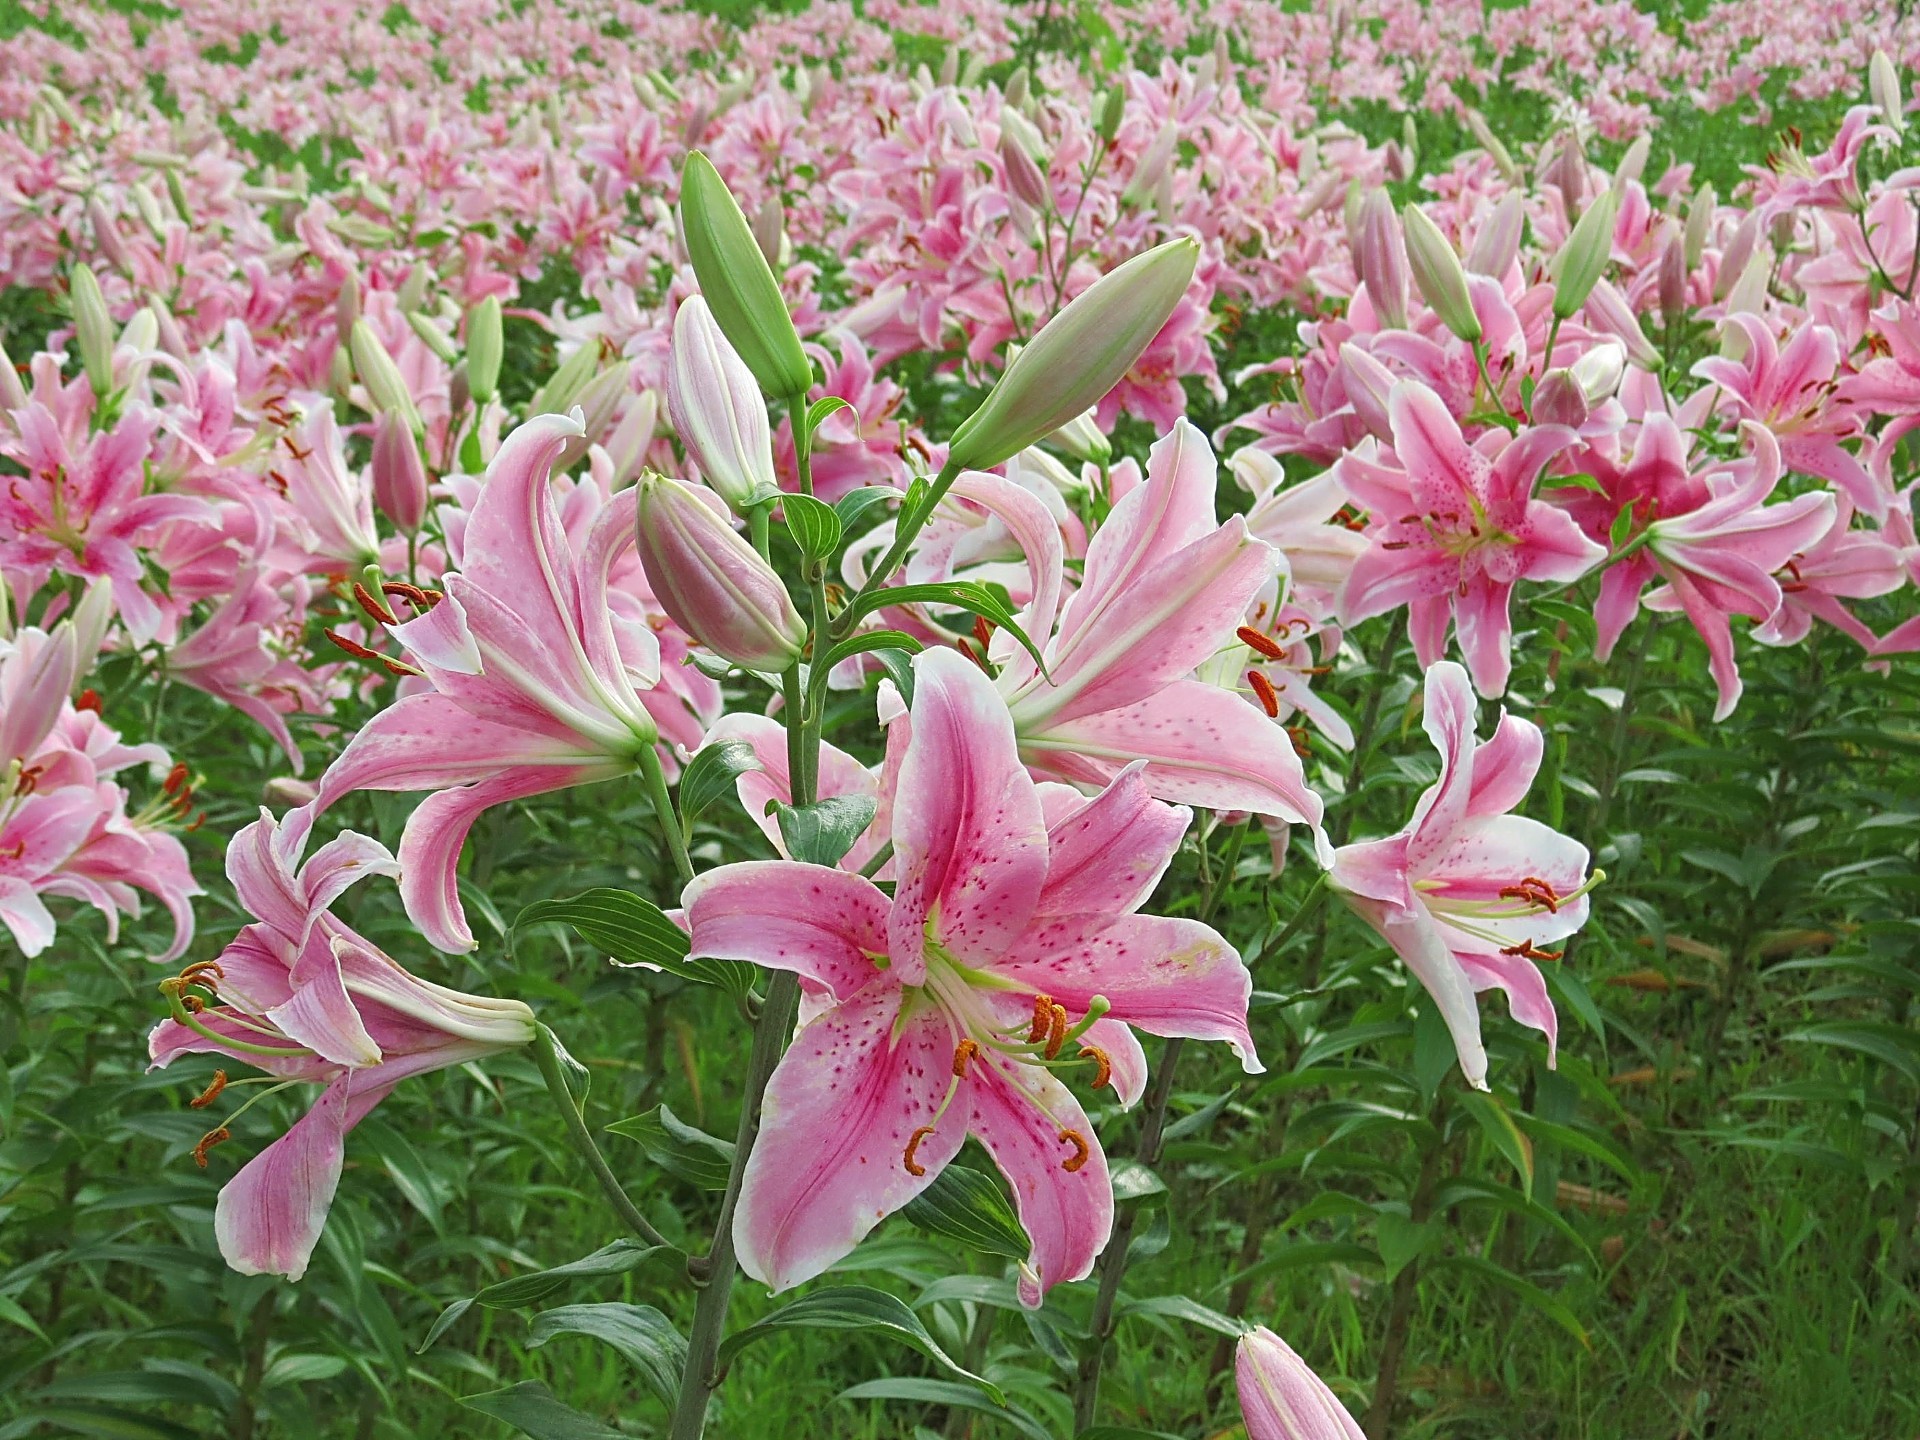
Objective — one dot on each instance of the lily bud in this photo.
(385, 386)
(1632, 165)
(1024, 177)
(92, 329)
(1368, 384)
(1673, 279)
(1609, 312)
(1584, 257)
(1154, 163)
(1113, 109)
(1558, 400)
(1280, 1396)
(399, 479)
(106, 236)
(346, 305)
(717, 410)
(1498, 242)
(1699, 224)
(1410, 143)
(1078, 356)
(1436, 270)
(569, 378)
(432, 336)
(485, 346)
(1018, 85)
(1568, 170)
(142, 332)
(1600, 371)
(167, 329)
(1491, 143)
(713, 582)
(627, 446)
(13, 396)
(738, 283)
(1081, 438)
(413, 290)
(1883, 84)
(1381, 258)
(1733, 259)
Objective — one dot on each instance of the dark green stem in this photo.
(548, 1059)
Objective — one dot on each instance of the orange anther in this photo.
(1042, 1019)
(1264, 644)
(176, 777)
(1264, 692)
(89, 700)
(372, 606)
(1081, 1150)
(207, 1142)
(914, 1167)
(1102, 1064)
(207, 1096)
(962, 1053)
(1056, 1029)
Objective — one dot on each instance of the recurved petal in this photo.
(822, 924)
(1106, 854)
(269, 1217)
(1034, 1129)
(845, 1104)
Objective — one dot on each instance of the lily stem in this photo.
(547, 1057)
(656, 780)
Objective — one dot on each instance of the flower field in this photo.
(1025, 718)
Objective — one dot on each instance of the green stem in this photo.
(548, 1059)
(908, 528)
(1311, 903)
(715, 1271)
(656, 781)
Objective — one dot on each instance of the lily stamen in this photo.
(1102, 1065)
(1081, 1150)
(1263, 690)
(914, 1167)
(207, 1142)
(207, 1096)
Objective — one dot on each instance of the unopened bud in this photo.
(1083, 439)
(598, 399)
(433, 337)
(1600, 370)
(1632, 165)
(13, 396)
(1438, 273)
(1608, 312)
(1113, 109)
(1024, 177)
(738, 283)
(1883, 85)
(399, 477)
(106, 237)
(569, 378)
(1018, 84)
(1498, 242)
(346, 305)
(485, 347)
(1491, 143)
(717, 409)
(1280, 1396)
(769, 228)
(385, 386)
(1154, 163)
(1368, 384)
(627, 446)
(413, 290)
(1583, 259)
(712, 582)
(1380, 256)
(1699, 225)
(141, 334)
(1077, 357)
(92, 329)
(1739, 251)
(1673, 277)
(171, 339)
(1558, 400)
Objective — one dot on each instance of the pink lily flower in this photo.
(1164, 587)
(1710, 538)
(1467, 893)
(1843, 564)
(1454, 527)
(1797, 393)
(1009, 937)
(535, 677)
(303, 997)
(1280, 1396)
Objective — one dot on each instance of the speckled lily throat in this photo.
(1492, 921)
(974, 1004)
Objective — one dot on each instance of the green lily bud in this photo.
(1883, 85)
(432, 336)
(1437, 272)
(569, 378)
(1584, 257)
(738, 283)
(484, 349)
(1699, 224)
(1077, 357)
(384, 383)
(92, 329)
(1113, 109)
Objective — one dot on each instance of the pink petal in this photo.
(1204, 746)
(320, 1014)
(840, 1111)
(1526, 991)
(1164, 975)
(269, 1216)
(1481, 620)
(1448, 719)
(971, 851)
(826, 925)
(1106, 854)
(1020, 1114)
(1504, 766)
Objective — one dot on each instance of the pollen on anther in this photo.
(1263, 691)
(207, 1096)
(1082, 1151)
(962, 1053)
(1263, 644)
(1102, 1065)
(1056, 1029)
(914, 1167)
(1042, 1019)
(207, 1142)
(372, 606)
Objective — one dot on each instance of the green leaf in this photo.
(968, 1206)
(948, 1392)
(814, 525)
(132, 1387)
(641, 1333)
(532, 1409)
(1895, 1045)
(1180, 1307)
(1525, 1290)
(853, 1307)
(614, 1259)
(1470, 1190)
(1134, 1181)
(823, 832)
(1494, 1119)
(701, 1160)
(966, 595)
(14, 1313)
(899, 669)
(855, 503)
(1583, 1142)
(296, 1369)
(109, 1424)
(823, 407)
(1402, 1241)
(1433, 1050)
(406, 1167)
(1622, 528)
(868, 641)
(636, 932)
(708, 776)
